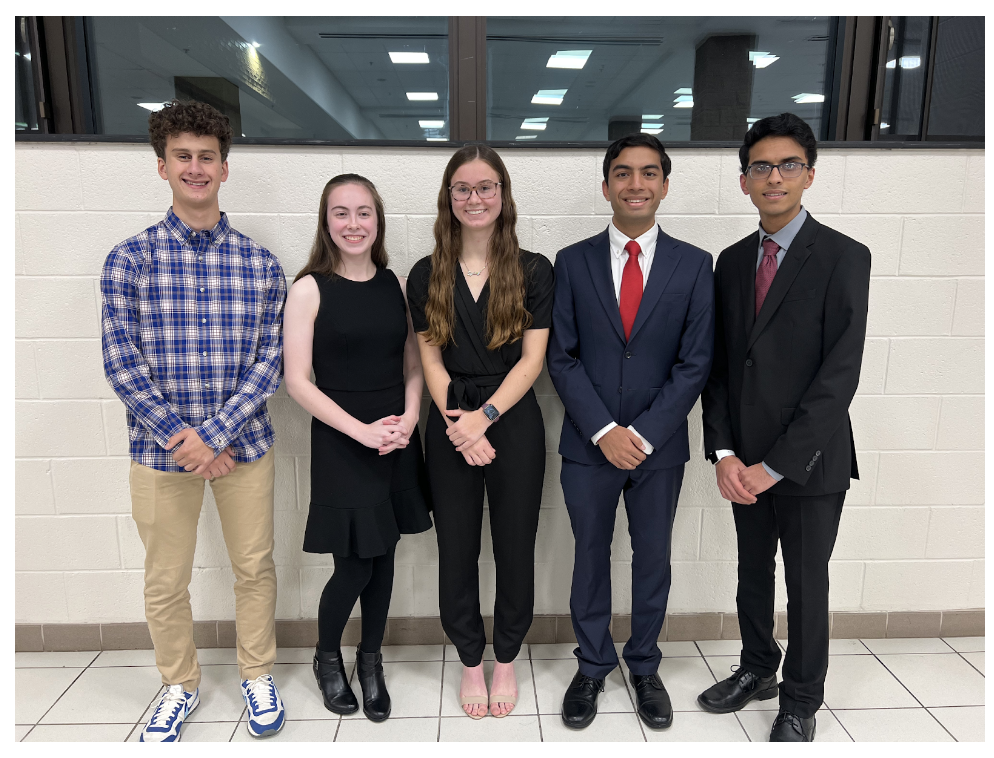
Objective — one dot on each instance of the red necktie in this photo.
(766, 271)
(631, 287)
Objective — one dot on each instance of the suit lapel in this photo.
(598, 257)
(664, 263)
(793, 260)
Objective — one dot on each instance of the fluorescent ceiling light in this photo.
(549, 97)
(909, 61)
(408, 57)
(647, 117)
(884, 125)
(651, 131)
(762, 59)
(568, 59)
(538, 124)
(651, 126)
(683, 91)
(422, 96)
(256, 44)
(437, 139)
(527, 136)
(152, 106)
(891, 63)
(431, 124)
(751, 121)
(684, 104)
(807, 97)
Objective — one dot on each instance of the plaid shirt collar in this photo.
(184, 233)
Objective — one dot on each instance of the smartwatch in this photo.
(490, 412)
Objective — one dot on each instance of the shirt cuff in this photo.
(719, 454)
(597, 437)
(648, 445)
(772, 473)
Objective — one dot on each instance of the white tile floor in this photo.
(877, 690)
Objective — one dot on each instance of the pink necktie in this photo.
(631, 287)
(766, 271)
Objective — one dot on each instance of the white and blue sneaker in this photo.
(168, 717)
(265, 708)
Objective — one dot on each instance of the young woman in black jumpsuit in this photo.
(482, 309)
(346, 317)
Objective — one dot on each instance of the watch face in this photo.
(490, 412)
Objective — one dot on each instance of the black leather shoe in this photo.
(731, 694)
(653, 701)
(329, 671)
(580, 701)
(375, 698)
(789, 727)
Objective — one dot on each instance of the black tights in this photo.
(370, 580)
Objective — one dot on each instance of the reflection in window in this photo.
(25, 101)
(956, 109)
(290, 77)
(904, 78)
(683, 78)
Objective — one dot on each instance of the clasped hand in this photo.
(387, 434)
(194, 455)
(467, 434)
(740, 483)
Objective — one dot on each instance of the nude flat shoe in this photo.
(474, 700)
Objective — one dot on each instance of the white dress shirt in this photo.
(619, 257)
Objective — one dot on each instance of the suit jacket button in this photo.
(628, 354)
(817, 453)
(748, 361)
(619, 390)
(808, 467)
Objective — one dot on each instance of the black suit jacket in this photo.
(781, 383)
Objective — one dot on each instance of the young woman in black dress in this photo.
(346, 317)
(482, 309)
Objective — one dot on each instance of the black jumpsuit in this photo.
(513, 481)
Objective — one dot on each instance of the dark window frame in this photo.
(65, 100)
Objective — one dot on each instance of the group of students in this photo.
(635, 326)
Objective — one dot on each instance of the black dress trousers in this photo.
(806, 528)
(513, 484)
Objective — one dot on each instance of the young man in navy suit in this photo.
(790, 320)
(631, 346)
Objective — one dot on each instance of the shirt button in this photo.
(201, 289)
(205, 353)
(749, 361)
(204, 320)
(200, 258)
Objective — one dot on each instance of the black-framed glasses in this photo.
(484, 190)
(787, 169)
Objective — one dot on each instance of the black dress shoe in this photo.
(580, 701)
(653, 701)
(789, 727)
(731, 694)
(375, 698)
(334, 682)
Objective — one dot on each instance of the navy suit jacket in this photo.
(650, 381)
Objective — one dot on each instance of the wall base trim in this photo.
(427, 630)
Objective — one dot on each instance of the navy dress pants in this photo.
(651, 496)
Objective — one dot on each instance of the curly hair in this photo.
(192, 117)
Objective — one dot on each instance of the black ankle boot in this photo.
(375, 698)
(333, 681)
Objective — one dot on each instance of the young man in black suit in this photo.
(790, 320)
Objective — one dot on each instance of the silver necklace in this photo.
(473, 273)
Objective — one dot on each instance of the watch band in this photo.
(490, 412)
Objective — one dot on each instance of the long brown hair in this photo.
(325, 255)
(507, 318)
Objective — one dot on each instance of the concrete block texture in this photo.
(911, 536)
(943, 246)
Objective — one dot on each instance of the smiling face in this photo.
(635, 187)
(777, 199)
(475, 213)
(352, 220)
(194, 170)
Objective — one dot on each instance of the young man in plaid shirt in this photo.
(192, 343)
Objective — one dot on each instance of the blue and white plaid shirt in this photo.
(192, 337)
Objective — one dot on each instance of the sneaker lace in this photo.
(262, 693)
(169, 705)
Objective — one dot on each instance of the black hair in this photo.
(784, 125)
(637, 140)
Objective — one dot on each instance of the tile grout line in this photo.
(960, 654)
(538, 716)
(914, 696)
(441, 690)
(47, 710)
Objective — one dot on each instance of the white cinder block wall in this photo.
(912, 534)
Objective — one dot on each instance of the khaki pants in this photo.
(166, 507)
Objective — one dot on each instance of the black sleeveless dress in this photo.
(361, 501)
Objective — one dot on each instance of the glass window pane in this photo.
(25, 101)
(904, 78)
(956, 108)
(290, 77)
(682, 78)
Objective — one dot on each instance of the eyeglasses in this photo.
(484, 190)
(788, 170)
